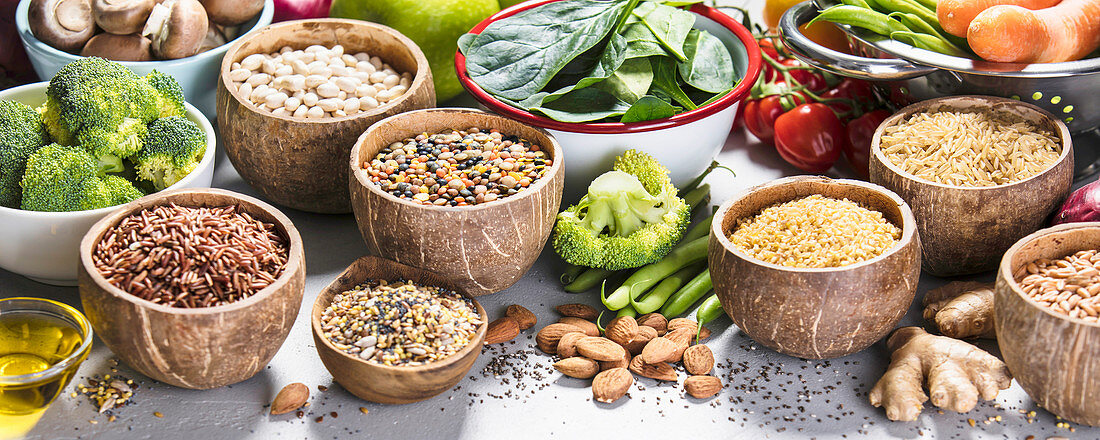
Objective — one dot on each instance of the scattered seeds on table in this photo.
(191, 257)
(400, 323)
(458, 168)
(108, 393)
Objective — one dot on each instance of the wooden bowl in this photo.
(483, 248)
(197, 348)
(299, 162)
(815, 313)
(965, 230)
(1055, 358)
(384, 383)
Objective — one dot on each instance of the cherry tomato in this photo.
(823, 33)
(760, 115)
(812, 79)
(860, 131)
(810, 137)
(848, 88)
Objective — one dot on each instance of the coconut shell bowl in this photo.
(966, 230)
(300, 162)
(197, 348)
(482, 248)
(815, 313)
(388, 384)
(1055, 358)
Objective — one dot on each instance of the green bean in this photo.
(859, 3)
(656, 297)
(709, 311)
(588, 279)
(919, 26)
(682, 300)
(626, 311)
(873, 21)
(927, 42)
(930, 4)
(570, 273)
(699, 230)
(912, 7)
(649, 275)
(696, 196)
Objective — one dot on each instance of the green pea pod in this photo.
(919, 26)
(682, 300)
(873, 21)
(658, 295)
(709, 311)
(927, 42)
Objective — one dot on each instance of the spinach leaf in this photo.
(517, 57)
(665, 80)
(631, 81)
(584, 105)
(716, 97)
(681, 3)
(709, 66)
(656, 29)
(647, 109)
(613, 56)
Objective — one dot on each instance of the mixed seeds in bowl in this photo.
(400, 323)
(1069, 285)
(458, 168)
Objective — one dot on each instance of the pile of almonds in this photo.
(646, 346)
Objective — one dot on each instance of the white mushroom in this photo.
(121, 17)
(131, 47)
(177, 28)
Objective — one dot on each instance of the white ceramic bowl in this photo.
(44, 246)
(685, 143)
(198, 74)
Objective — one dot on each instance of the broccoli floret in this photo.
(110, 146)
(169, 96)
(21, 134)
(630, 217)
(67, 178)
(172, 149)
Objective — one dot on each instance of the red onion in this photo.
(299, 9)
(15, 67)
(1081, 206)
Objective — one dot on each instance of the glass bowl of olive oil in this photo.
(42, 343)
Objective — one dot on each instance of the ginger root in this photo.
(957, 374)
(961, 309)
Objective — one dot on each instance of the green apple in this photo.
(434, 25)
(510, 3)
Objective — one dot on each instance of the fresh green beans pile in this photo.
(913, 22)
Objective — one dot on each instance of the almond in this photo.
(645, 334)
(567, 345)
(702, 387)
(290, 398)
(547, 338)
(583, 311)
(682, 337)
(654, 320)
(600, 349)
(679, 323)
(610, 385)
(659, 349)
(698, 359)
(621, 363)
(622, 329)
(588, 327)
(523, 317)
(502, 330)
(578, 367)
(659, 371)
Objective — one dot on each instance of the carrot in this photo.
(955, 15)
(1011, 34)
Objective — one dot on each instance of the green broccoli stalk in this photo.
(630, 217)
(173, 147)
(66, 178)
(21, 134)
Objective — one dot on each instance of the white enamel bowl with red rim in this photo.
(685, 143)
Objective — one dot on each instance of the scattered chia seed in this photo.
(400, 323)
(458, 168)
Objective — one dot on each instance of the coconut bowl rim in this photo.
(1004, 269)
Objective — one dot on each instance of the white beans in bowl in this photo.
(317, 82)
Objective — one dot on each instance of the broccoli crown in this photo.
(111, 146)
(21, 134)
(172, 148)
(630, 217)
(67, 178)
(169, 94)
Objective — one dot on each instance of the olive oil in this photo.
(32, 342)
